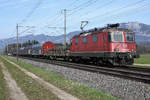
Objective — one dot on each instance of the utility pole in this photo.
(17, 36)
(65, 28)
(17, 40)
(7, 47)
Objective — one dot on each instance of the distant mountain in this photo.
(142, 35)
(41, 38)
(142, 31)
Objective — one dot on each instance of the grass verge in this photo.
(76, 89)
(141, 66)
(32, 89)
(4, 94)
(144, 59)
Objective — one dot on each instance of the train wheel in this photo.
(66, 58)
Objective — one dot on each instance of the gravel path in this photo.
(58, 92)
(15, 91)
(142, 64)
(122, 88)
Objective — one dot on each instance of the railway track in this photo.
(132, 73)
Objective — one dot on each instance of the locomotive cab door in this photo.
(105, 42)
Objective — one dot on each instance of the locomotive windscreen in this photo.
(116, 36)
(130, 37)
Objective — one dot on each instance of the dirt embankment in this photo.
(15, 91)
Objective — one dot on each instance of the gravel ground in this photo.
(122, 88)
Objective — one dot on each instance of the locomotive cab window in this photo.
(109, 37)
(94, 38)
(116, 37)
(71, 42)
(130, 37)
(84, 40)
(76, 41)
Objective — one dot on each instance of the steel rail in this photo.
(132, 73)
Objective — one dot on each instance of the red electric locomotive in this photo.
(109, 45)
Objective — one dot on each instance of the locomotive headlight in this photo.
(131, 56)
(116, 50)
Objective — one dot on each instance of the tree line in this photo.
(143, 49)
(12, 47)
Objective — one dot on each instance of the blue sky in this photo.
(49, 13)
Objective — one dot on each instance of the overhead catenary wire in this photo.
(73, 3)
(130, 12)
(82, 6)
(117, 9)
(31, 11)
(113, 11)
(119, 15)
(28, 28)
(88, 3)
(57, 19)
(50, 24)
(103, 5)
(133, 9)
(58, 15)
(76, 8)
(54, 20)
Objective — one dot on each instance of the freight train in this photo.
(109, 45)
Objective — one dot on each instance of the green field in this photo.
(76, 89)
(144, 59)
(32, 89)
